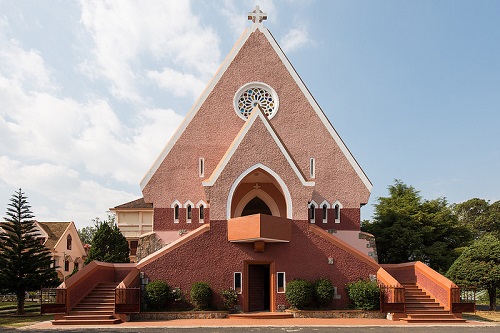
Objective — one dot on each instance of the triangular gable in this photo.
(222, 69)
(256, 114)
(76, 239)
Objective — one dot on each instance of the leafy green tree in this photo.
(408, 228)
(479, 265)
(479, 216)
(108, 243)
(25, 264)
(87, 234)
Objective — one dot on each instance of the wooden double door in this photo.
(259, 287)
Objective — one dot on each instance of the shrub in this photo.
(364, 294)
(323, 291)
(299, 293)
(157, 294)
(230, 297)
(201, 295)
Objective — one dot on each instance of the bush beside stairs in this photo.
(96, 308)
(422, 308)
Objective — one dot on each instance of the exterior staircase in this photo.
(96, 308)
(422, 308)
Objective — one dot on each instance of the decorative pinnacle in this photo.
(257, 16)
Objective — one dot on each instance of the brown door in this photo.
(258, 288)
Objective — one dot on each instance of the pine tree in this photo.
(25, 264)
(108, 243)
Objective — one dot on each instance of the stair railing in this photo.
(53, 300)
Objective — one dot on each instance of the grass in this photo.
(490, 316)
(19, 321)
(8, 317)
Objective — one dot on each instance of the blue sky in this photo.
(91, 91)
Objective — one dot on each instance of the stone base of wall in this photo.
(179, 315)
(337, 314)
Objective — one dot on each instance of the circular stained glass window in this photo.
(256, 94)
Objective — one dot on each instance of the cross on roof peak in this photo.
(257, 15)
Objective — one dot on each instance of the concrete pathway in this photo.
(292, 322)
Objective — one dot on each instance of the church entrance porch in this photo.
(259, 288)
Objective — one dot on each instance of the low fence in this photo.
(392, 299)
(53, 300)
(127, 300)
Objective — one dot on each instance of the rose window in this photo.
(256, 94)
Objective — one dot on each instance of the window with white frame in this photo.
(325, 211)
(201, 167)
(336, 211)
(280, 282)
(312, 211)
(189, 210)
(202, 213)
(176, 213)
(312, 167)
(201, 205)
(237, 282)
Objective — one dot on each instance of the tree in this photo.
(408, 228)
(479, 266)
(87, 234)
(479, 216)
(108, 243)
(25, 264)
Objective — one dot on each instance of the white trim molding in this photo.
(284, 188)
(261, 195)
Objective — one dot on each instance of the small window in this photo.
(237, 282)
(281, 283)
(68, 242)
(337, 213)
(189, 210)
(176, 213)
(312, 166)
(66, 265)
(76, 267)
(201, 167)
(312, 212)
(133, 247)
(202, 213)
(324, 213)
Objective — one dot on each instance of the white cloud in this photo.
(57, 192)
(180, 84)
(70, 156)
(124, 32)
(295, 39)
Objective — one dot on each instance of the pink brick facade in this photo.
(277, 166)
(210, 257)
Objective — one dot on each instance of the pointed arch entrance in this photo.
(259, 190)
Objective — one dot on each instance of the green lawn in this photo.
(8, 317)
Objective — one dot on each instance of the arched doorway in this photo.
(259, 190)
(256, 206)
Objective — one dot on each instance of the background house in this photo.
(62, 239)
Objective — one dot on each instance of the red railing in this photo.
(53, 300)
(392, 298)
(127, 300)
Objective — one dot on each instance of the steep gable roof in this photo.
(256, 114)
(134, 204)
(222, 69)
(54, 230)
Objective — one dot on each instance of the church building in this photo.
(256, 188)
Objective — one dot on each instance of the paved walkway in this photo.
(318, 322)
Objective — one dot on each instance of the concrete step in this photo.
(261, 315)
(89, 317)
(87, 322)
(91, 312)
